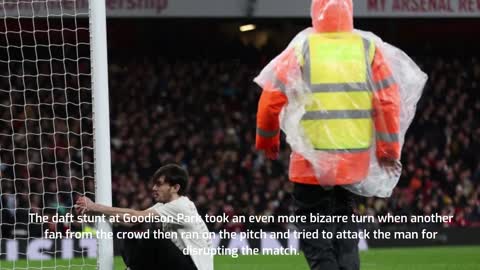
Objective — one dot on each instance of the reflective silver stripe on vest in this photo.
(339, 87)
(366, 47)
(384, 83)
(387, 137)
(355, 150)
(350, 87)
(337, 114)
(267, 134)
(306, 68)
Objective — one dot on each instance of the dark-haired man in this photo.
(178, 215)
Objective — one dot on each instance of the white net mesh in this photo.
(46, 140)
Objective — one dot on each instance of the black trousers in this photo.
(327, 254)
(159, 254)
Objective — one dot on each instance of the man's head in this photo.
(169, 182)
(332, 15)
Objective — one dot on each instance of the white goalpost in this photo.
(54, 131)
(103, 190)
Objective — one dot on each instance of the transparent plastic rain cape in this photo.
(305, 138)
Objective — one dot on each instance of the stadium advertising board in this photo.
(377, 8)
(417, 8)
(240, 8)
(45, 249)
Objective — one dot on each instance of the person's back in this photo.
(184, 219)
(338, 120)
(339, 102)
(334, 95)
(351, 94)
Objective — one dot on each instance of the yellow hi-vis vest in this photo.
(337, 67)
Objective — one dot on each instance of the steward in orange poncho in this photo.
(353, 107)
(352, 97)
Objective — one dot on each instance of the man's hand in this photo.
(84, 205)
(393, 167)
(272, 152)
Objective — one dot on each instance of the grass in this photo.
(437, 258)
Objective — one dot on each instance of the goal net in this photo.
(46, 133)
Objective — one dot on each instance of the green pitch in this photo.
(441, 258)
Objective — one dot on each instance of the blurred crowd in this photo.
(201, 114)
(441, 165)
